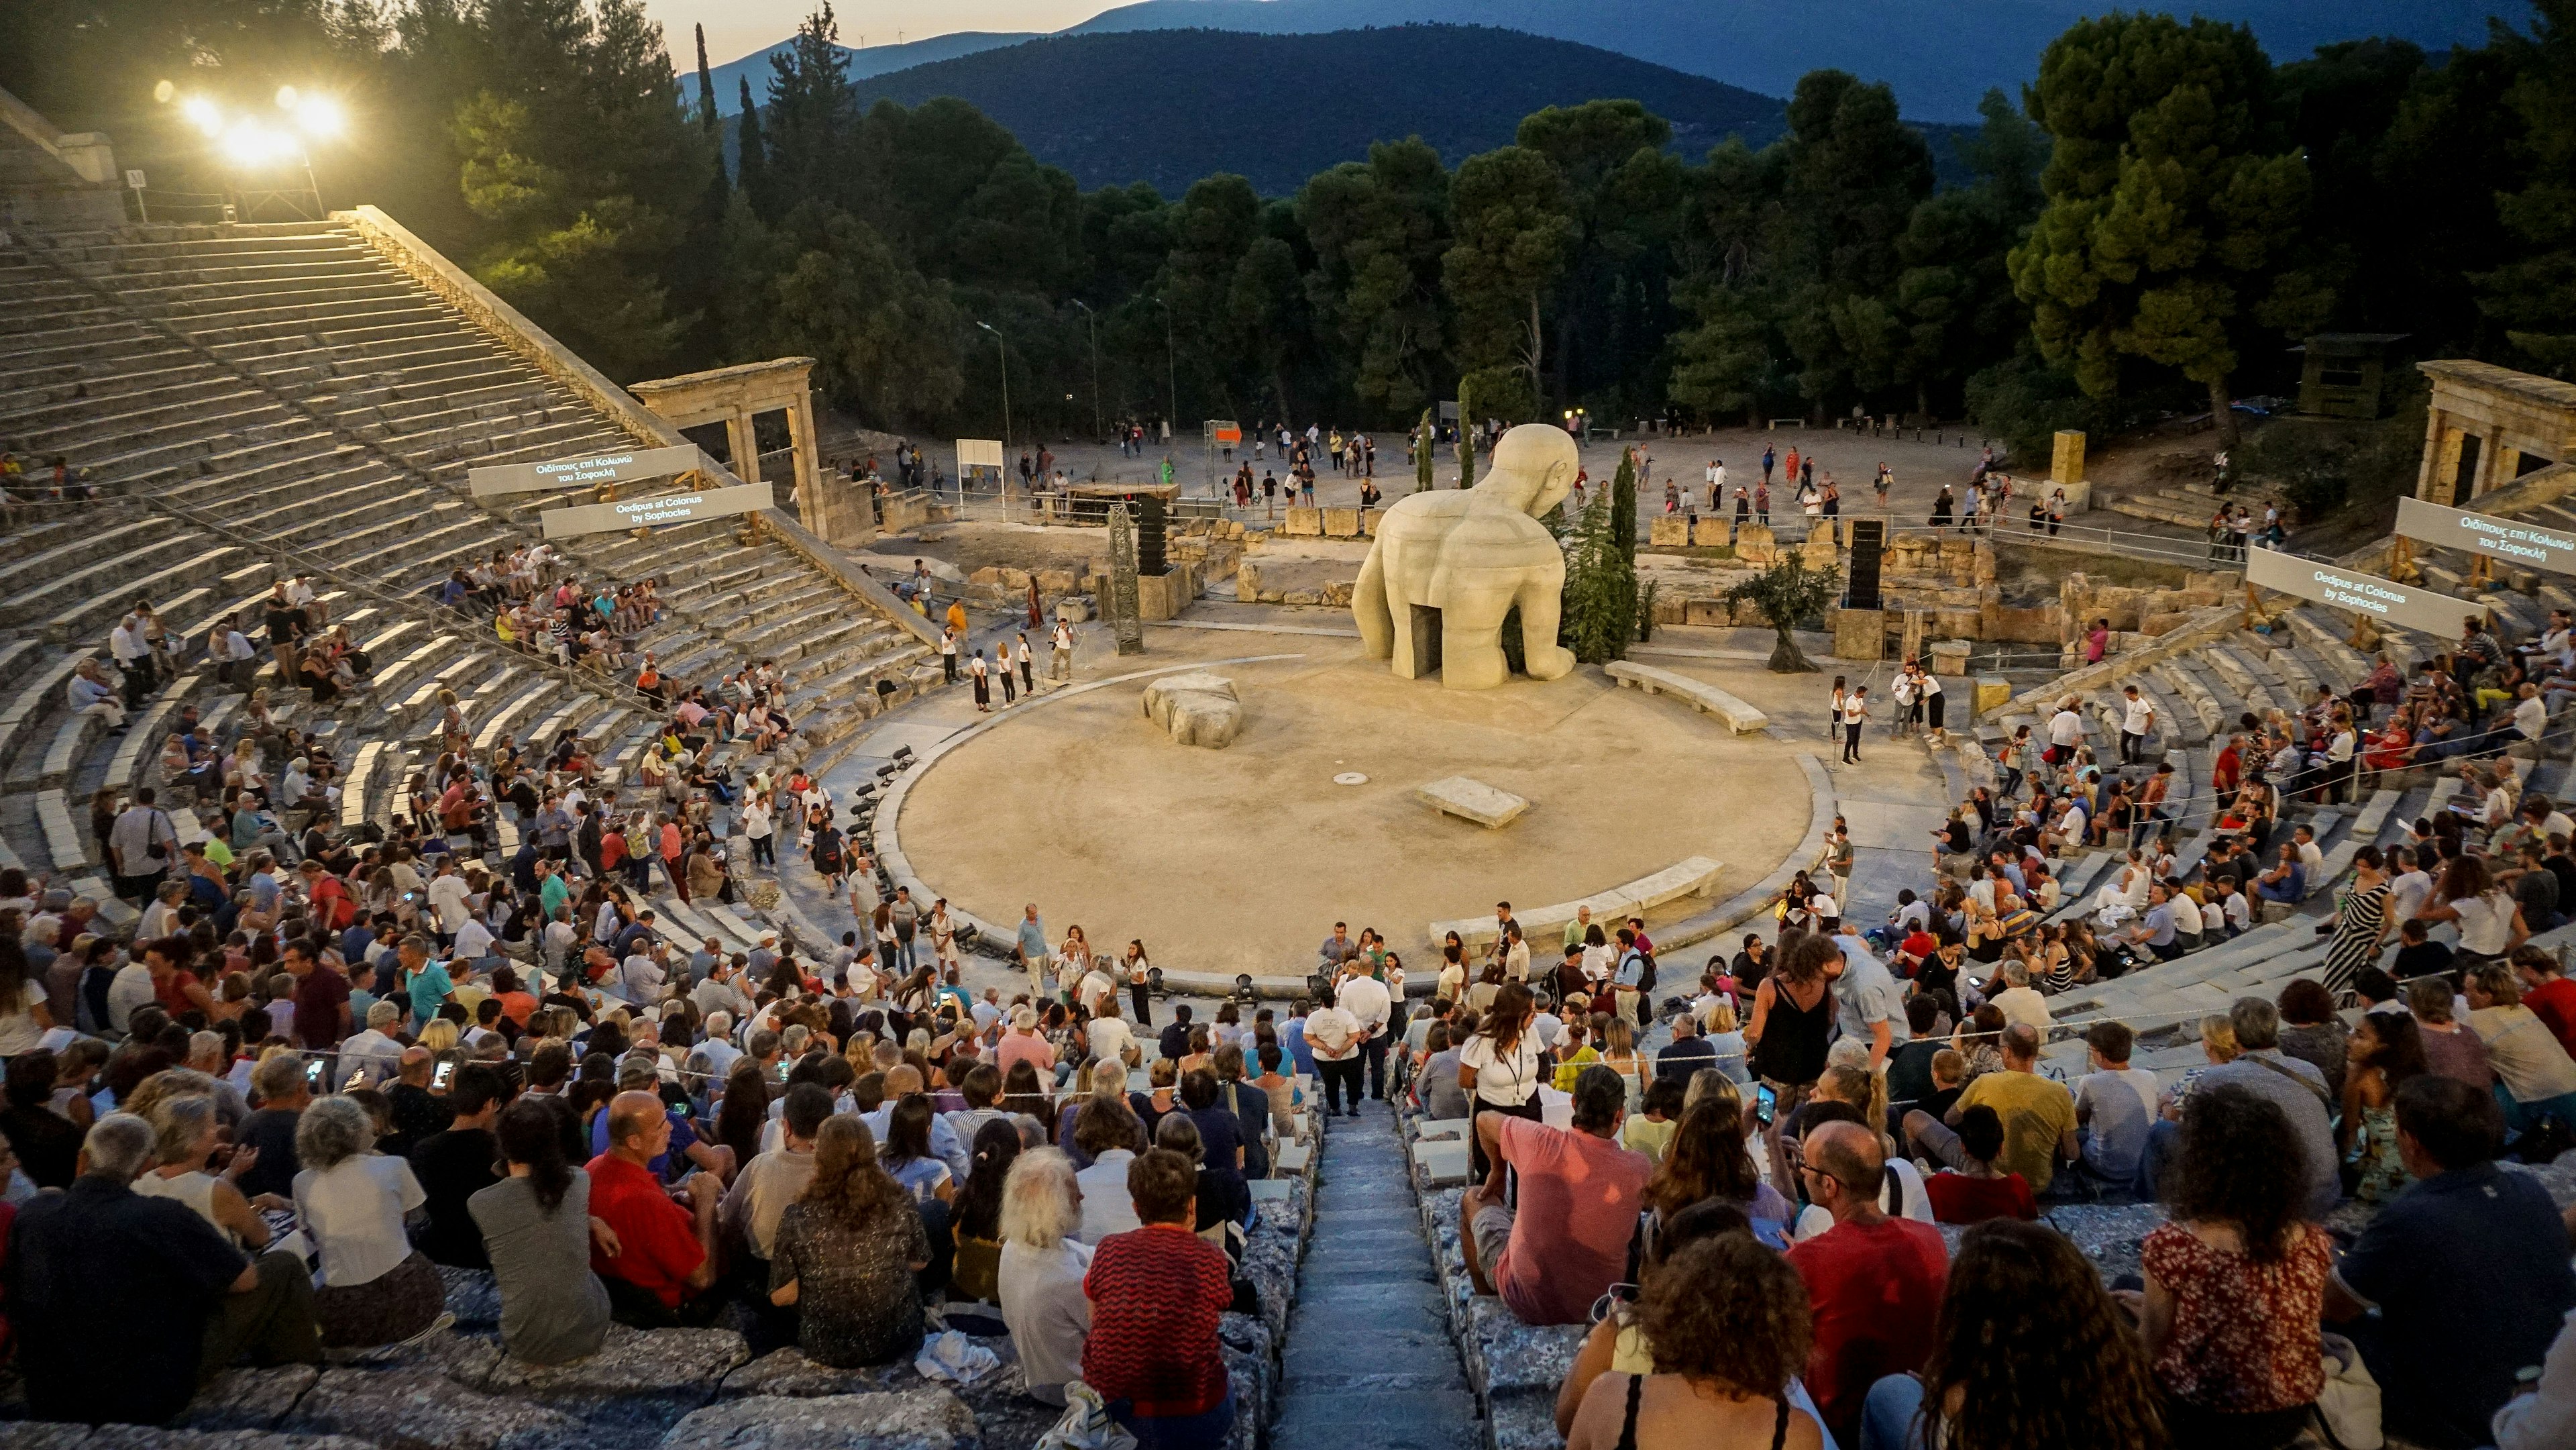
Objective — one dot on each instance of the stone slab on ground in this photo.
(1472, 800)
(249, 1399)
(1195, 708)
(416, 1409)
(1740, 717)
(916, 1419)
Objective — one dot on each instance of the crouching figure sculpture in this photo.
(1447, 566)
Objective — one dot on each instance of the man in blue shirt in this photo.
(2468, 1270)
(1292, 1036)
(1031, 944)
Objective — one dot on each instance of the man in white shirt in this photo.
(640, 977)
(133, 655)
(2137, 718)
(447, 897)
(2409, 888)
(473, 942)
(1365, 998)
(2312, 856)
(718, 1046)
(1112, 1040)
(1333, 1035)
(373, 1052)
(2530, 716)
(2018, 1001)
(2065, 731)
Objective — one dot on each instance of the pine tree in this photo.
(1600, 586)
(751, 164)
(1623, 506)
(1466, 437)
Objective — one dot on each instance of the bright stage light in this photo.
(203, 114)
(249, 144)
(318, 115)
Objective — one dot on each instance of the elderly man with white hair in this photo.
(1043, 1265)
(373, 1052)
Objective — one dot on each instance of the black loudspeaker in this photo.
(1149, 536)
(1868, 538)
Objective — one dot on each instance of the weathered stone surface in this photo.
(413, 1409)
(1472, 800)
(640, 1382)
(1195, 708)
(788, 1373)
(473, 1296)
(249, 1399)
(917, 1419)
(1669, 531)
(42, 1435)
(1302, 523)
(1521, 1356)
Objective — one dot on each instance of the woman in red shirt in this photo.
(1156, 1293)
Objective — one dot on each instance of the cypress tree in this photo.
(1466, 439)
(1623, 507)
(707, 91)
(1426, 436)
(752, 162)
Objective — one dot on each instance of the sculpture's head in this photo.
(1534, 467)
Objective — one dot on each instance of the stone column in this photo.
(745, 447)
(2429, 482)
(800, 433)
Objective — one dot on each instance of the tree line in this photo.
(2158, 216)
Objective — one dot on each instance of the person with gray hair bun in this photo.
(124, 1304)
(350, 1201)
(184, 1134)
(1043, 1265)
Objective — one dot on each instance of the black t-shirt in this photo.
(1174, 1041)
(418, 1113)
(1909, 1071)
(452, 1167)
(109, 1292)
(2421, 960)
(47, 1144)
(272, 1132)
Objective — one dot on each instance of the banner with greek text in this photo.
(2515, 541)
(669, 508)
(2407, 606)
(626, 465)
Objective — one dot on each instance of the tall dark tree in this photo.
(751, 156)
(1622, 189)
(1378, 229)
(1516, 233)
(1851, 175)
(1955, 298)
(2535, 295)
(812, 118)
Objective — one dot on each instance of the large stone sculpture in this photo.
(1196, 708)
(1448, 566)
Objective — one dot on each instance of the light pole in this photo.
(1171, 361)
(1092, 320)
(1006, 383)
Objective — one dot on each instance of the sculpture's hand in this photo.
(1549, 662)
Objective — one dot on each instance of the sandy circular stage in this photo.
(1242, 859)
(1239, 860)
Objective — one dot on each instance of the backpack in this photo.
(1645, 972)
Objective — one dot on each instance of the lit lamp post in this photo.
(253, 146)
(1006, 411)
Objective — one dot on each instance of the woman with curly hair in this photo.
(2028, 1353)
(1727, 1325)
(846, 1255)
(2235, 1281)
(1707, 1158)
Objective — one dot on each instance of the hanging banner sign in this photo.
(624, 466)
(669, 508)
(2516, 541)
(2407, 606)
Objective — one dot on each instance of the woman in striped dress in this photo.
(2361, 923)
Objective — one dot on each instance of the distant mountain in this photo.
(1170, 106)
(1940, 55)
(873, 61)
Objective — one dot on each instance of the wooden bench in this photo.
(1694, 876)
(1708, 699)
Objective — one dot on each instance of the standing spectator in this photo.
(123, 1305)
(2235, 1280)
(1873, 1282)
(536, 1229)
(1563, 1240)
(1156, 1294)
(847, 1254)
(2468, 1269)
(1042, 1270)
(1333, 1036)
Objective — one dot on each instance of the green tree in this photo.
(1601, 582)
(1786, 594)
(751, 155)
(2175, 202)
(1623, 192)
(1724, 359)
(825, 285)
(812, 120)
(1851, 174)
(2535, 295)
(1426, 438)
(1378, 229)
(1955, 298)
(1515, 234)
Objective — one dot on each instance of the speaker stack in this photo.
(1868, 538)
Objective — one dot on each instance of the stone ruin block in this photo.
(1340, 523)
(1669, 531)
(1302, 523)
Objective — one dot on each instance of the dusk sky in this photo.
(736, 28)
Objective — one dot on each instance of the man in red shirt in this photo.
(321, 999)
(1874, 1282)
(666, 1259)
(2549, 995)
(1564, 1240)
(1156, 1293)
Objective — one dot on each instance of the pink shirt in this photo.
(1019, 1047)
(1570, 1229)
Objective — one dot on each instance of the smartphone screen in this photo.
(1765, 1101)
(313, 1074)
(783, 1068)
(447, 1070)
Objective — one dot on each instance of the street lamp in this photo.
(1092, 320)
(1006, 384)
(1171, 361)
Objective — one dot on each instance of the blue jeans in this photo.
(1887, 1416)
(1177, 1432)
(2164, 1143)
(2522, 1117)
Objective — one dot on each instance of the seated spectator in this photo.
(185, 1133)
(123, 1305)
(1156, 1295)
(2547, 991)
(458, 1163)
(1650, 1130)
(2385, 1050)
(2468, 1270)
(2235, 1279)
(2028, 1350)
(2310, 1030)
(977, 1223)
(1728, 1328)
(1107, 1133)
(1979, 1191)
(2449, 1048)
(2038, 1116)
(773, 1180)
(2543, 1416)
(2534, 1076)
(47, 1141)
(350, 1201)
(2246, 1052)
(847, 1253)
(1564, 1239)
(1708, 1158)
(1042, 1269)
(2115, 1104)
(537, 1231)
(1873, 1282)
(666, 1257)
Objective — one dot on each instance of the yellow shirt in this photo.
(1644, 1135)
(2036, 1112)
(1568, 1070)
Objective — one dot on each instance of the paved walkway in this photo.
(1369, 1359)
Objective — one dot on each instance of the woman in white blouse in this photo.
(350, 1201)
(1499, 1067)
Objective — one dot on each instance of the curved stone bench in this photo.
(1692, 876)
(1708, 699)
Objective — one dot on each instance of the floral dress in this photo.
(2374, 1154)
(2244, 1337)
(856, 1301)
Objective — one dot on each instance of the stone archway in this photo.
(734, 396)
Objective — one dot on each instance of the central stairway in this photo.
(1369, 1359)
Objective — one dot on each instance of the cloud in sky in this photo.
(736, 28)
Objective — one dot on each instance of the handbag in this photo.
(2347, 1409)
(1085, 1424)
